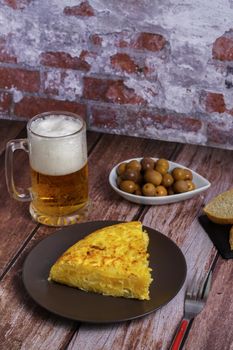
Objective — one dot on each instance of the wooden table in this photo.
(25, 325)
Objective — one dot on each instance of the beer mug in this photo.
(57, 148)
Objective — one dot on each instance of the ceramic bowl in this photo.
(201, 185)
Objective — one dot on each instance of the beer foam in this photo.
(56, 126)
(56, 148)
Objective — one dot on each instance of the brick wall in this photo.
(161, 70)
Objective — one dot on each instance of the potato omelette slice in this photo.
(112, 261)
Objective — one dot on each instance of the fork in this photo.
(195, 299)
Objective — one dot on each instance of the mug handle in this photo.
(15, 192)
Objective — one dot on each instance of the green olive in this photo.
(153, 176)
(148, 190)
(147, 163)
(160, 191)
(191, 185)
(161, 169)
(138, 190)
(188, 174)
(167, 180)
(121, 168)
(127, 186)
(180, 186)
(134, 164)
(131, 174)
(178, 174)
(163, 163)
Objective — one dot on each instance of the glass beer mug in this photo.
(56, 144)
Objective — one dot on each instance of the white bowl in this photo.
(201, 185)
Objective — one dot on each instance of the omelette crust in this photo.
(112, 261)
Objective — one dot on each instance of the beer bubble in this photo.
(56, 126)
(56, 146)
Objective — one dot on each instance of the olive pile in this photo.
(152, 178)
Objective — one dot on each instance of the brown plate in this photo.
(166, 260)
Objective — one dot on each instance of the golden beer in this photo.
(57, 149)
(59, 195)
(59, 172)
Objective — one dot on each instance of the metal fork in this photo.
(195, 299)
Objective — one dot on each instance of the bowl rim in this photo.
(177, 195)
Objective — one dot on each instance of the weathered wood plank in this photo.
(54, 330)
(92, 139)
(20, 316)
(179, 222)
(16, 224)
(217, 317)
(9, 130)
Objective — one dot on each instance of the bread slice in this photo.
(111, 261)
(220, 208)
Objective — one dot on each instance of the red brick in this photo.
(215, 102)
(87, 54)
(141, 121)
(110, 91)
(30, 106)
(95, 39)
(84, 9)
(178, 122)
(143, 41)
(223, 49)
(22, 79)
(150, 41)
(123, 43)
(124, 62)
(96, 89)
(119, 93)
(146, 118)
(5, 54)
(17, 4)
(5, 102)
(104, 118)
(63, 60)
(219, 134)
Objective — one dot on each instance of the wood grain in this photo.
(17, 227)
(16, 224)
(177, 221)
(217, 317)
(19, 312)
(100, 163)
(9, 130)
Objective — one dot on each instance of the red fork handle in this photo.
(179, 335)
